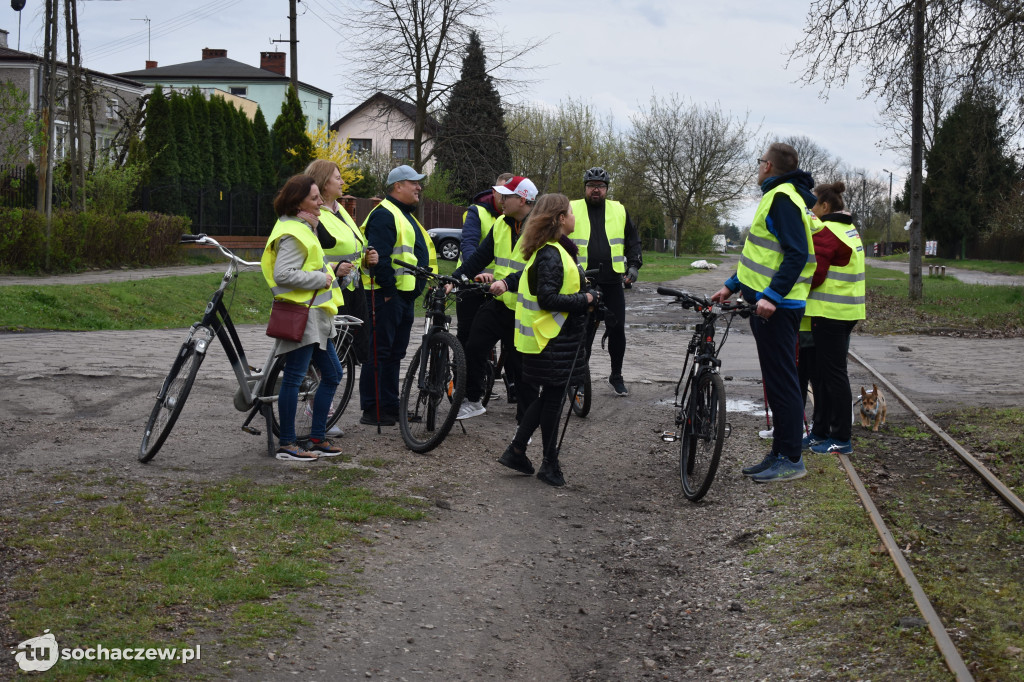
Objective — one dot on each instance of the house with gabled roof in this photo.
(266, 86)
(384, 125)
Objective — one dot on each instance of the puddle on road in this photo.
(731, 405)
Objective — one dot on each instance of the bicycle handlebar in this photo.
(427, 273)
(205, 239)
(688, 300)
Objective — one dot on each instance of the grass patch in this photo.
(663, 267)
(217, 562)
(994, 436)
(836, 588)
(998, 267)
(947, 305)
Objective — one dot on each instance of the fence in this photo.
(17, 187)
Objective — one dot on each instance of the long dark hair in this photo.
(542, 224)
(291, 195)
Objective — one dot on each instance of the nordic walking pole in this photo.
(568, 383)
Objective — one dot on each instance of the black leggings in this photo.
(543, 411)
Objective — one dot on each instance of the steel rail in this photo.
(993, 482)
(938, 629)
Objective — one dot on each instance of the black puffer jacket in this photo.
(551, 366)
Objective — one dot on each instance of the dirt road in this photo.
(614, 577)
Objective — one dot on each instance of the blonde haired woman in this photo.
(550, 323)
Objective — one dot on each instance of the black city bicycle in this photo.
(700, 420)
(435, 382)
(257, 389)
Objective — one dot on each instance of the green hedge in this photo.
(88, 239)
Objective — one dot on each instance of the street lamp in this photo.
(888, 223)
(568, 149)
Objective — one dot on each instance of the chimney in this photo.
(211, 53)
(150, 64)
(272, 61)
(3, 38)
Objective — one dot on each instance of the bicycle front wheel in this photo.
(174, 392)
(579, 394)
(307, 393)
(427, 411)
(703, 432)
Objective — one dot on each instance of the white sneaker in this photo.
(335, 432)
(468, 409)
(767, 434)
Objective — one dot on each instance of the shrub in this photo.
(88, 239)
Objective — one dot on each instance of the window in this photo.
(401, 149)
(319, 104)
(319, 123)
(241, 91)
(359, 146)
(60, 139)
(112, 108)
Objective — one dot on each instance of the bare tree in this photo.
(814, 158)
(980, 40)
(412, 50)
(696, 158)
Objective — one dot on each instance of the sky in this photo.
(614, 54)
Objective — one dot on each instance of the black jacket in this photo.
(551, 366)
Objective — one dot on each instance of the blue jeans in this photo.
(296, 365)
(390, 329)
(776, 340)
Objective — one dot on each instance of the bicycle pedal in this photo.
(728, 429)
(669, 436)
(253, 430)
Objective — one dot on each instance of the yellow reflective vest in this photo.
(405, 246)
(350, 243)
(614, 230)
(762, 253)
(536, 327)
(507, 259)
(315, 262)
(486, 223)
(841, 296)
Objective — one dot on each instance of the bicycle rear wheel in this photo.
(703, 432)
(307, 393)
(488, 379)
(174, 392)
(579, 394)
(426, 413)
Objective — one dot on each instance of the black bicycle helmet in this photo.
(597, 174)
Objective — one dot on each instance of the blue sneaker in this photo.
(835, 447)
(784, 469)
(764, 465)
(810, 440)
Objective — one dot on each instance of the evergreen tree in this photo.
(472, 142)
(233, 142)
(162, 152)
(188, 153)
(267, 170)
(200, 110)
(969, 172)
(248, 158)
(292, 148)
(218, 145)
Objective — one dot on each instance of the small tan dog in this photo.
(872, 408)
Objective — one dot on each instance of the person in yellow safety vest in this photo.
(477, 222)
(550, 321)
(391, 291)
(344, 243)
(495, 320)
(774, 272)
(610, 243)
(297, 271)
(834, 306)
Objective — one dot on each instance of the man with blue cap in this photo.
(391, 291)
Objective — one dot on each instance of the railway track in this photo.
(951, 655)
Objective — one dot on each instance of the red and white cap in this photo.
(519, 185)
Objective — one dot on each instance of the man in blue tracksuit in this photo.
(775, 272)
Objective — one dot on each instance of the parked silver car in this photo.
(447, 241)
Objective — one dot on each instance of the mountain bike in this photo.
(257, 389)
(700, 420)
(435, 382)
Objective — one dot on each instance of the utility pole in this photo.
(888, 222)
(294, 44)
(44, 201)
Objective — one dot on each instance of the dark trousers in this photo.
(466, 307)
(494, 322)
(776, 340)
(614, 297)
(390, 328)
(543, 411)
(806, 366)
(833, 398)
(355, 305)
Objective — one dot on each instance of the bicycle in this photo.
(700, 418)
(435, 382)
(257, 390)
(581, 393)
